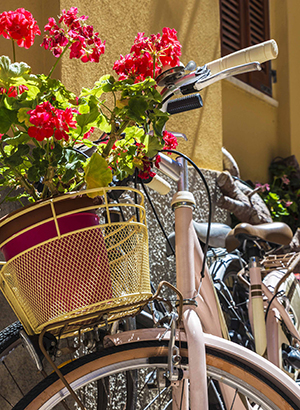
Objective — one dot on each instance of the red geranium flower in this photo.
(149, 55)
(146, 172)
(49, 121)
(85, 43)
(13, 91)
(170, 140)
(20, 26)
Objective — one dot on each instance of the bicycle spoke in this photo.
(155, 398)
(218, 396)
(102, 393)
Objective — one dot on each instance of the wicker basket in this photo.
(97, 268)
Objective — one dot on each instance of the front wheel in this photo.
(248, 376)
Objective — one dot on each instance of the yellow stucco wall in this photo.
(293, 73)
(198, 30)
(250, 128)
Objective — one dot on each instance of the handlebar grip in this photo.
(187, 103)
(260, 52)
(159, 185)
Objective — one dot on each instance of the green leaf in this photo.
(38, 153)
(105, 84)
(89, 118)
(23, 116)
(73, 160)
(103, 124)
(16, 158)
(134, 132)
(7, 118)
(152, 145)
(21, 138)
(137, 106)
(33, 174)
(9, 71)
(97, 173)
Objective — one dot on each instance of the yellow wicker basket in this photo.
(96, 268)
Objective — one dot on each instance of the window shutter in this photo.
(245, 23)
(259, 32)
(231, 30)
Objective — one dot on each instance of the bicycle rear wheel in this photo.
(242, 370)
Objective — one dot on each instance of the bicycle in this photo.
(279, 336)
(163, 362)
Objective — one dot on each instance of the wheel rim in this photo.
(158, 398)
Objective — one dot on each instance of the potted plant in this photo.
(43, 126)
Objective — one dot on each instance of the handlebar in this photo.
(242, 61)
(258, 53)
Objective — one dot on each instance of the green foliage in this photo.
(133, 119)
(282, 196)
(97, 173)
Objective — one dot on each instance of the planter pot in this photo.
(65, 259)
(47, 230)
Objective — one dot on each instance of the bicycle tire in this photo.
(10, 339)
(240, 368)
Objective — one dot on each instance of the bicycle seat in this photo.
(275, 232)
(218, 233)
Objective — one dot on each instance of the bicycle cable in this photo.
(157, 217)
(209, 203)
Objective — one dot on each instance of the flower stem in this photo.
(154, 60)
(6, 195)
(114, 135)
(14, 50)
(59, 58)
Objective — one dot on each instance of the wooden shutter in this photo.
(231, 27)
(258, 32)
(245, 23)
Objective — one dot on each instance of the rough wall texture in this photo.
(163, 268)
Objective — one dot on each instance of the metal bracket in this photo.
(174, 357)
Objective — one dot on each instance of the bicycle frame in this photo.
(204, 315)
(269, 335)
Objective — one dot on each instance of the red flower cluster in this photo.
(85, 44)
(146, 172)
(170, 140)
(13, 91)
(149, 55)
(49, 121)
(20, 26)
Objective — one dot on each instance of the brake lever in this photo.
(241, 69)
